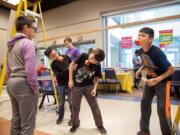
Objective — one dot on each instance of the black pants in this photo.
(162, 91)
(176, 91)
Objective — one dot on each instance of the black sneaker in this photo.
(74, 128)
(59, 120)
(102, 130)
(70, 122)
(142, 133)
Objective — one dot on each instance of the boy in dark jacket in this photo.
(60, 66)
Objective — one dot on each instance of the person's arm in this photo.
(139, 71)
(29, 55)
(93, 92)
(71, 70)
(8, 71)
(154, 81)
(96, 78)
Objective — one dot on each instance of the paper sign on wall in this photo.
(165, 37)
(126, 42)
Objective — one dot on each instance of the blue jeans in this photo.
(62, 92)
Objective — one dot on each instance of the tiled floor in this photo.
(121, 117)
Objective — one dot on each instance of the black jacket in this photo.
(61, 70)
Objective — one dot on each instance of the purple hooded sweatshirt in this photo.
(21, 60)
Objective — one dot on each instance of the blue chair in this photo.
(46, 87)
(110, 78)
(101, 81)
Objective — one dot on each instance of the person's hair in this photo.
(68, 39)
(23, 20)
(99, 54)
(48, 51)
(138, 52)
(148, 31)
(90, 50)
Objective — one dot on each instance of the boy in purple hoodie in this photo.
(22, 84)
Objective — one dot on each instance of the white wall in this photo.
(4, 16)
(85, 15)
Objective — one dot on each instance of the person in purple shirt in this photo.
(72, 52)
(22, 85)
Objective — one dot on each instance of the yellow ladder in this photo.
(176, 122)
(23, 5)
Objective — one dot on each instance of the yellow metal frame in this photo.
(36, 5)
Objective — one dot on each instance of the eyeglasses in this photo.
(35, 29)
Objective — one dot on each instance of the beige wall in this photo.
(85, 15)
(4, 16)
(77, 17)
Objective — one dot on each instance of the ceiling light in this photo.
(13, 2)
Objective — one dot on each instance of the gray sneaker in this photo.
(102, 130)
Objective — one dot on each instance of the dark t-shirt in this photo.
(61, 70)
(84, 75)
(155, 62)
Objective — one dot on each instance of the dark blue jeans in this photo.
(62, 92)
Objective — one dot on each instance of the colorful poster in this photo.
(126, 42)
(165, 37)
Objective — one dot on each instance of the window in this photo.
(143, 15)
(113, 37)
